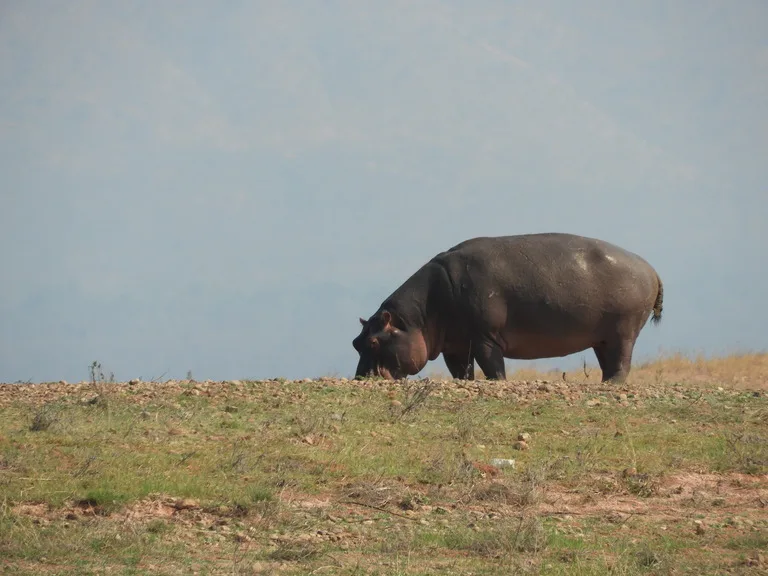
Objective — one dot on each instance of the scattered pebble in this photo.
(187, 504)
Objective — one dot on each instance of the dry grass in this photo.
(738, 371)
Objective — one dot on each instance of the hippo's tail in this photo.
(658, 305)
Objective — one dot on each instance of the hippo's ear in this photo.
(386, 318)
(362, 321)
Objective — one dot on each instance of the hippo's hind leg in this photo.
(461, 366)
(615, 359)
(490, 358)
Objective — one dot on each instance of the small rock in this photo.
(757, 559)
(524, 436)
(503, 462)
(520, 445)
(485, 468)
(632, 471)
(186, 504)
(395, 403)
(617, 517)
(63, 382)
(699, 527)
(307, 380)
(134, 381)
(593, 402)
(622, 397)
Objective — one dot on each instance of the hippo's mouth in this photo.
(367, 369)
(384, 373)
(391, 374)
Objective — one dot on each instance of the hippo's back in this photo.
(550, 277)
(556, 247)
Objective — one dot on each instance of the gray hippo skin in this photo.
(524, 297)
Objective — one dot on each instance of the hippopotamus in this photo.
(528, 296)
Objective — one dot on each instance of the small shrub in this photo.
(157, 526)
(525, 534)
(102, 500)
(642, 485)
(415, 395)
(449, 468)
(294, 552)
(255, 499)
(43, 419)
(746, 453)
(372, 493)
(647, 558)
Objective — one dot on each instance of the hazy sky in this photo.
(225, 187)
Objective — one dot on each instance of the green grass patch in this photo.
(295, 477)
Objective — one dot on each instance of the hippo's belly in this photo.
(529, 346)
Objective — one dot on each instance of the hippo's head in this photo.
(388, 351)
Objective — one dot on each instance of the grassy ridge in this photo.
(330, 476)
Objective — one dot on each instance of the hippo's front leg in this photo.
(461, 366)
